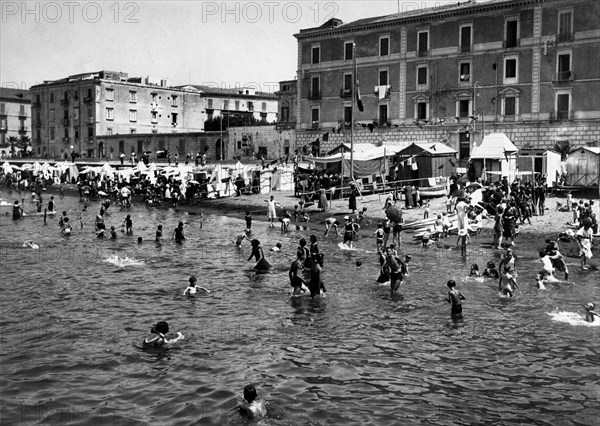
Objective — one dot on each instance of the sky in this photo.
(220, 43)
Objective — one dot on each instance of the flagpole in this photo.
(352, 112)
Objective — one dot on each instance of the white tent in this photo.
(497, 154)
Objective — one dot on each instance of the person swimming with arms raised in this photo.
(157, 337)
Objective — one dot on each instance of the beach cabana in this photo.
(533, 163)
(369, 160)
(424, 160)
(583, 166)
(498, 155)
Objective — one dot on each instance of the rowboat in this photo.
(433, 191)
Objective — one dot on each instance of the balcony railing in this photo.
(565, 37)
(563, 76)
(88, 99)
(314, 94)
(561, 115)
(345, 93)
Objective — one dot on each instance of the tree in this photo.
(231, 120)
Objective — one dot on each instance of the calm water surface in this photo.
(74, 312)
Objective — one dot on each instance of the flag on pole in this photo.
(356, 85)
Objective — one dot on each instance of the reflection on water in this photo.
(74, 312)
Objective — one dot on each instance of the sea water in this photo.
(74, 312)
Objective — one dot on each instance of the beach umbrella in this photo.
(102, 193)
(394, 214)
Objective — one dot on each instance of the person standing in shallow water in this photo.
(271, 212)
(455, 297)
(178, 233)
(257, 252)
(17, 212)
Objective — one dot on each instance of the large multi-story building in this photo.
(81, 112)
(69, 114)
(255, 106)
(454, 72)
(15, 118)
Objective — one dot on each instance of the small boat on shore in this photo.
(433, 191)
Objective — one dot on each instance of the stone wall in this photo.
(531, 136)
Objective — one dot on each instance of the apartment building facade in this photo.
(15, 116)
(455, 72)
(259, 107)
(287, 96)
(71, 113)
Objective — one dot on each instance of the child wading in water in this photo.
(455, 297)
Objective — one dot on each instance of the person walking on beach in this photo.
(272, 212)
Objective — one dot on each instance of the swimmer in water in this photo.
(296, 281)
(191, 288)
(490, 271)
(158, 236)
(157, 337)
(67, 228)
(178, 233)
(277, 248)
(507, 281)
(257, 252)
(590, 314)
(31, 244)
(140, 240)
(455, 297)
(251, 405)
(241, 237)
(474, 270)
(113, 233)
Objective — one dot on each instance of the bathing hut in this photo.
(498, 155)
(583, 165)
(425, 160)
